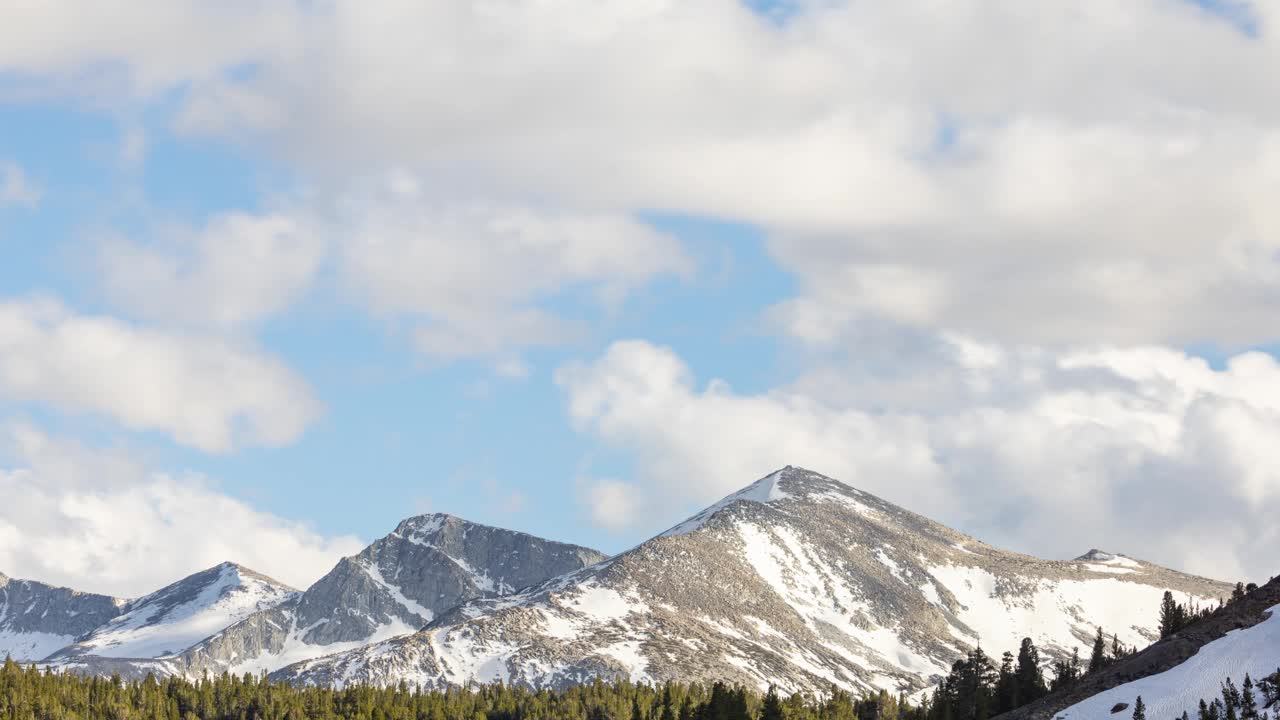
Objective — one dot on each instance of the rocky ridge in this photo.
(37, 619)
(798, 581)
(394, 587)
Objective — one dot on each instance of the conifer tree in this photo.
(1139, 709)
(1030, 678)
(772, 707)
(1098, 657)
(1172, 615)
(1248, 703)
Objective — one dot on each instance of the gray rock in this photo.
(797, 581)
(396, 586)
(37, 619)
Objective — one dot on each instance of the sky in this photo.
(277, 275)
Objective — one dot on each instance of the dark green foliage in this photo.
(29, 694)
(1139, 709)
(969, 690)
(1098, 656)
(1030, 677)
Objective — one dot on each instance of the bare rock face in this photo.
(394, 587)
(797, 581)
(37, 619)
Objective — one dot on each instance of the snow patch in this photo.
(1254, 650)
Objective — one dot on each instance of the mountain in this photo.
(395, 586)
(177, 616)
(38, 619)
(1173, 674)
(797, 581)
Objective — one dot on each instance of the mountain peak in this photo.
(790, 483)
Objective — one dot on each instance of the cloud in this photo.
(476, 279)
(611, 503)
(1145, 451)
(122, 51)
(16, 189)
(236, 270)
(1127, 160)
(204, 392)
(98, 520)
(1077, 173)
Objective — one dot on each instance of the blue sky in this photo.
(399, 435)
(589, 267)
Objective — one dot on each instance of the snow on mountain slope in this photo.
(393, 587)
(1253, 650)
(36, 619)
(175, 617)
(798, 581)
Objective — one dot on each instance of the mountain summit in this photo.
(173, 618)
(37, 619)
(395, 586)
(799, 581)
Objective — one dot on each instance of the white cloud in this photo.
(204, 392)
(611, 503)
(917, 162)
(236, 270)
(98, 520)
(16, 189)
(475, 279)
(1145, 451)
(124, 49)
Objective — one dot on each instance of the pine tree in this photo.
(772, 707)
(1172, 615)
(1248, 703)
(1030, 678)
(1098, 657)
(1238, 593)
(1139, 709)
(1006, 685)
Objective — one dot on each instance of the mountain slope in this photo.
(37, 619)
(1175, 673)
(177, 616)
(798, 581)
(393, 587)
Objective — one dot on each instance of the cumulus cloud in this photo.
(236, 270)
(16, 189)
(99, 520)
(914, 163)
(204, 392)
(474, 279)
(1145, 451)
(120, 50)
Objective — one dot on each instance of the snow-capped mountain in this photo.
(37, 619)
(177, 616)
(798, 581)
(394, 587)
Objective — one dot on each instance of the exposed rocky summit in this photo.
(37, 619)
(396, 586)
(798, 581)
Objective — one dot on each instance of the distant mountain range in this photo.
(797, 581)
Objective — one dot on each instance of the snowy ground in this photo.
(1254, 650)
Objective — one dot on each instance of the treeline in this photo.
(976, 689)
(30, 694)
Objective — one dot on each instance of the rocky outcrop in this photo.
(797, 581)
(38, 619)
